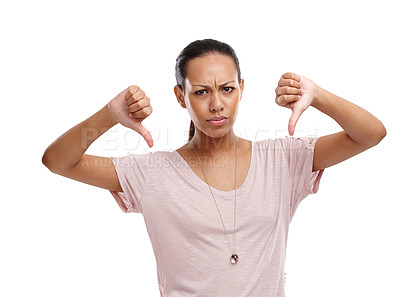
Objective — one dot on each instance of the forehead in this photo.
(211, 67)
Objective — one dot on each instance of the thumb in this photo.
(145, 134)
(130, 123)
(293, 120)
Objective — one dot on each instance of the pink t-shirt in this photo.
(191, 249)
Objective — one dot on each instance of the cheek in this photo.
(235, 102)
(235, 107)
(195, 108)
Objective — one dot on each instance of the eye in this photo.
(199, 93)
(228, 89)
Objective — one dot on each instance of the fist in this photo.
(130, 108)
(297, 93)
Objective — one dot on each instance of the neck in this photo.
(213, 147)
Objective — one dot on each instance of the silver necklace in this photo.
(234, 257)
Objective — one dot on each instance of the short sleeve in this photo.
(131, 171)
(299, 153)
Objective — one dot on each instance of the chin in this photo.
(217, 132)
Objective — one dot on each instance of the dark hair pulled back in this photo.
(197, 49)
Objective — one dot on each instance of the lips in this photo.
(217, 118)
(217, 123)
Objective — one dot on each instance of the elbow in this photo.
(54, 163)
(46, 161)
(379, 134)
(383, 134)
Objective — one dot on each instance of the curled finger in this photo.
(291, 75)
(285, 99)
(289, 82)
(136, 96)
(287, 90)
(142, 113)
(138, 105)
(132, 90)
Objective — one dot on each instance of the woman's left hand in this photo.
(297, 93)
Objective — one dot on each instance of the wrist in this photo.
(317, 97)
(108, 116)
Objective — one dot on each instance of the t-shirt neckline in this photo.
(196, 180)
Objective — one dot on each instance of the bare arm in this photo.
(361, 130)
(68, 149)
(65, 156)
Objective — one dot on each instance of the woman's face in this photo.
(212, 89)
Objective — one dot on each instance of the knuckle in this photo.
(138, 95)
(133, 89)
(141, 103)
(146, 111)
(142, 93)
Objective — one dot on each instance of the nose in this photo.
(216, 103)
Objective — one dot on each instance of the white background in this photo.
(63, 61)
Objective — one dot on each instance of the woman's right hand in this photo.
(130, 108)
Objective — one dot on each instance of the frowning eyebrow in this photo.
(205, 86)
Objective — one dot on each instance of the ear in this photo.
(179, 96)
(241, 88)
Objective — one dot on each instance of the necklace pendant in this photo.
(234, 258)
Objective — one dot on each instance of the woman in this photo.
(217, 210)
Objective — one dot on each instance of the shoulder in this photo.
(287, 141)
